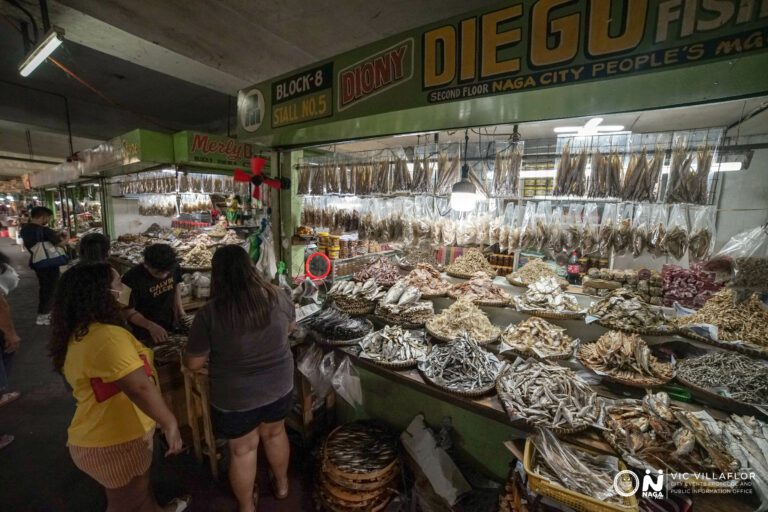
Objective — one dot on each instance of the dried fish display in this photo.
(332, 324)
(607, 229)
(360, 448)
(658, 230)
(625, 310)
(570, 180)
(642, 176)
(382, 269)
(534, 270)
(400, 305)
(535, 337)
(640, 229)
(655, 434)
(447, 173)
(427, 279)
(676, 238)
(350, 296)
(546, 294)
(545, 395)
(469, 263)
(170, 351)
(394, 346)
(305, 177)
(589, 232)
(615, 171)
(739, 377)
(480, 289)
(746, 322)
(622, 234)
(598, 178)
(701, 239)
(157, 205)
(463, 317)
(422, 176)
(573, 232)
(462, 366)
(625, 357)
(198, 257)
(506, 172)
(747, 439)
(542, 222)
(576, 469)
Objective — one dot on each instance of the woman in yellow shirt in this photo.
(110, 437)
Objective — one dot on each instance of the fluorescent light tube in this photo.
(42, 51)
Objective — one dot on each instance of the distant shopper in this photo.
(9, 340)
(93, 247)
(114, 384)
(243, 334)
(155, 304)
(32, 233)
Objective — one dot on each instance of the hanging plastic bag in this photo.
(309, 364)
(607, 229)
(513, 240)
(640, 229)
(465, 230)
(745, 257)
(590, 229)
(528, 228)
(557, 232)
(701, 241)
(504, 227)
(346, 383)
(622, 235)
(267, 262)
(657, 230)
(494, 233)
(574, 227)
(449, 230)
(676, 238)
(542, 224)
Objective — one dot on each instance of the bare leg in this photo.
(136, 496)
(242, 468)
(278, 451)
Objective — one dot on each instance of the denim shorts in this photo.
(234, 424)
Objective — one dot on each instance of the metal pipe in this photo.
(44, 13)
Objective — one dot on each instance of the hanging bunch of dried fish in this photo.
(480, 290)
(679, 175)
(534, 270)
(624, 310)
(615, 170)
(549, 396)
(468, 264)
(332, 324)
(305, 177)
(598, 179)
(447, 173)
(570, 173)
(632, 179)
(401, 177)
(535, 337)
(625, 357)
(422, 175)
(743, 378)
(746, 438)
(463, 317)
(428, 280)
(546, 294)
(347, 179)
(746, 322)
(462, 366)
(383, 270)
(506, 172)
(394, 345)
(363, 179)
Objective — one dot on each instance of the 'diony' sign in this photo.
(518, 46)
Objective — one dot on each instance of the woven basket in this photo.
(721, 402)
(630, 330)
(349, 495)
(385, 320)
(355, 311)
(476, 393)
(445, 339)
(522, 284)
(459, 275)
(400, 365)
(345, 476)
(343, 343)
(195, 269)
(333, 504)
(572, 499)
(515, 353)
(691, 335)
(553, 315)
(640, 382)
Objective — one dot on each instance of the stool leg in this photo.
(210, 439)
(192, 417)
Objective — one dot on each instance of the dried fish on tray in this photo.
(336, 328)
(545, 395)
(356, 298)
(463, 317)
(624, 310)
(170, 351)
(531, 272)
(656, 435)
(427, 279)
(198, 257)
(747, 439)
(546, 297)
(535, 337)
(481, 290)
(466, 265)
(383, 270)
(461, 367)
(625, 358)
(401, 306)
(394, 347)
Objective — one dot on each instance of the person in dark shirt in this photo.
(243, 334)
(32, 233)
(155, 303)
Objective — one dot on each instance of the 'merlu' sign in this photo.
(230, 148)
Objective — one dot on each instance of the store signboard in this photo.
(130, 152)
(212, 151)
(517, 48)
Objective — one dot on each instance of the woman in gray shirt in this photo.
(243, 334)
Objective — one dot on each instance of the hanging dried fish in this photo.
(679, 175)
(633, 179)
(598, 179)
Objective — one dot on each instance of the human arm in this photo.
(157, 332)
(12, 339)
(178, 306)
(199, 342)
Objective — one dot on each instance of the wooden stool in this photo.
(198, 411)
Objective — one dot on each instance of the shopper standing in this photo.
(114, 384)
(155, 304)
(32, 233)
(243, 334)
(9, 340)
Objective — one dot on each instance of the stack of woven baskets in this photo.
(358, 470)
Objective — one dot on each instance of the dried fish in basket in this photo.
(481, 291)
(544, 395)
(170, 351)
(462, 367)
(545, 297)
(625, 358)
(401, 306)
(466, 265)
(394, 347)
(654, 434)
(383, 270)
(336, 328)
(356, 298)
(624, 310)
(427, 279)
(460, 318)
(535, 337)
(198, 258)
(531, 272)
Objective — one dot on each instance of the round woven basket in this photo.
(475, 393)
(553, 315)
(459, 275)
(195, 269)
(691, 335)
(338, 475)
(499, 303)
(354, 311)
(630, 330)
(427, 296)
(399, 365)
(514, 352)
(349, 495)
(445, 339)
(333, 504)
(385, 320)
(721, 402)
(343, 343)
(640, 382)
(522, 284)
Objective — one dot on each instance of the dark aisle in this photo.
(36, 473)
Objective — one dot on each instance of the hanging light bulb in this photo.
(464, 193)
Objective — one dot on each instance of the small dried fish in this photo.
(738, 376)
(532, 271)
(335, 325)
(546, 294)
(747, 321)
(624, 308)
(393, 344)
(428, 280)
(463, 317)
(539, 338)
(360, 448)
(480, 288)
(470, 262)
(383, 270)
(625, 356)
(462, 365)
(676, 242)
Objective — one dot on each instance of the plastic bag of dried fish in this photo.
(745, 258)
(449, 232)
(528, 227)
(557, 234)
(607, 229)
(658, 230)
(462, 366)
(494, 233)
(701, 241)
(590, 230)
(463, 317)
(676, 239)
(466, 231)
(640, 229)
(574, 222)
(731, 374)
(542, 224)
(622, 235)
(535, 337)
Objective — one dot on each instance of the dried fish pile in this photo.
(625, 309)
(654, 434)
(626, 357)
(575, 469)
(463, 317)
(401, 305)
(198, 257)
(383, 270)
(747, 321)
(531, 272)
(480, 289)
(642, 176)
(538, 338)
(461, 366)
(546, 395)
(743, 378)
(349, 295)
(687, 185)
(747, 439)
(394, 345)
(170, 351)
(570, 174)
(427, 279)
(470, 262)
(699, 242)
(332, 324)
(546, 294)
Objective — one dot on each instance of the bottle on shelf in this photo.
(574, 269)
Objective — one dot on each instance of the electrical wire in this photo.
(29, 15)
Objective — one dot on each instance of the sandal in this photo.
(178, 504)
(5, 440)
(7, 398)
(273, 484)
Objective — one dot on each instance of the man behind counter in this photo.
(155, 304)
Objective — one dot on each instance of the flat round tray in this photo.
(342, 343)
(476, 393)
(394, 321)
(642, 382)
(459, 275)
(522, 284)
(525, 354)
(427, 296)
(358, 311)
(687, 333)
(400, 365)
(553, 315)
(446, 339)
(647, 332)
(721, 402)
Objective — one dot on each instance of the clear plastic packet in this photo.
(483, 225)
(310, 364)
(701, 241)
(657, 229)
(505, 226)
(346, 383)
(515, 232)
(449, 231)
(622, 235)
(465, 230)
(528, 227)
(542, 224)
(557, 234)
(438, 223)
(745, 256)
(676, 238)
(574, 227)
(409, 209)
(607, 229)
(590, 229)
(640, 229)
(494, 233)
